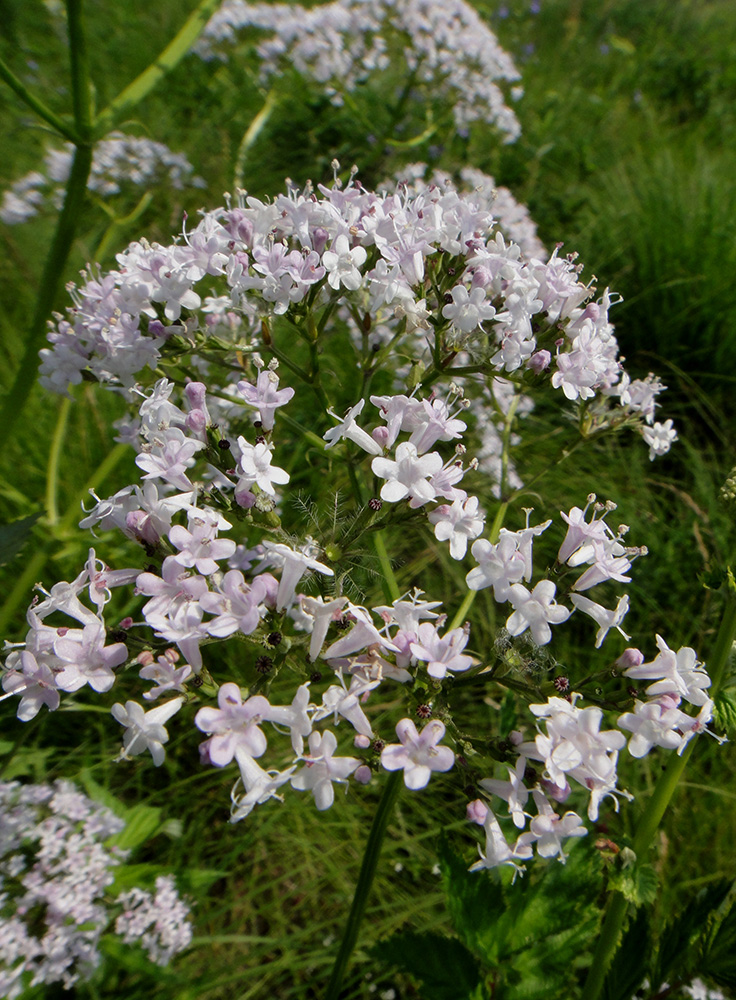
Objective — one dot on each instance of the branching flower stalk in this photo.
(240, 529)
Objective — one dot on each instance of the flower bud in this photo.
(539, 361)
(476, 811)
(363, 774)
(629, 658)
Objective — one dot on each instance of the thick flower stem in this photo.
(652, 816)
(53, 271)
(365, 879)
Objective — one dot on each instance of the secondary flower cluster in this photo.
(119, 161)
(445, 46)
(427, 268)
(571, 746)
(56, 873)
(192, 600)
(426, 290)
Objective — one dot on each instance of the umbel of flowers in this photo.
(458, 330)
(57, 893)
(444, 49)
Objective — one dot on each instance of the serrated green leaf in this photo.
(475, 901)
(724, 711)
(141, 823)
(630, 963)
(14, 536)
(637, 884)
(719, 958)
(443, 965)
(676, 956)
(533, 932)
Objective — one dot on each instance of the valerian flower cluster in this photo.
(57, 895)
(458, 330)
(445, 47)
(119, 162)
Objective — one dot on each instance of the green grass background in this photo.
(627, 155)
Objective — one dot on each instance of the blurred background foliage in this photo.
(628, 155)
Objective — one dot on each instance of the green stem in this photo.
(50, 279)
(365, 879)
(391, 587)
(118, 224)
(251, 135)
(55, 121)
(79, 60)
(153, 74)
(52, 475)
(652, 816)
(462, 611)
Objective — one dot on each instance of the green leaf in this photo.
(14, 536)
(102, 795)
(532, 934)
(475, 902)
(198, 880)
(676, 955)
(141, 823)
(637, 883)
(443, 965)
(629, 965)
(724, 711)
(719, 959)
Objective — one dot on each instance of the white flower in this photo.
(255, 467)
(535, 610)
(659, 437)
(457, 523)
(145, 730)
(418, 753)
(606, 619)
(408, 475)
(342, 263)
(321, 769)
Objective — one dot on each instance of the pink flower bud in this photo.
(139, 525)
(319, 239)
(144, 659)
(539, 361)
(204, 754)
(126, 623)
(196, 421)
(244, 498)
(516, 737)
(195, 393)
(629, 658)
(362, 742)
(363, 774)
(380, 436)
(476, 812)
(554, 791)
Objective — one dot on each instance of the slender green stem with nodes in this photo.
(59, 124)
(171, 56)
(368, 867)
